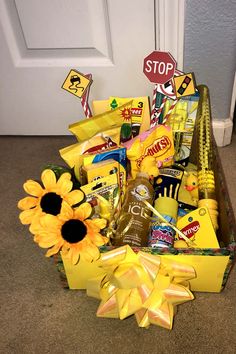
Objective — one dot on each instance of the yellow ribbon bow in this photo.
(142, 284)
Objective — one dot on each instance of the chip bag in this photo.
(156, 142)
(87, 128)
(100, 142)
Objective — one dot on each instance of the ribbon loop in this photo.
(148, 286)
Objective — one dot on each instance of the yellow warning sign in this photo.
(184, 85)
(76, 83)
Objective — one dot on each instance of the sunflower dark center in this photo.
(51, 203)
(73, 231)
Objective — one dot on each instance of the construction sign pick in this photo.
(159, 67)
(76, 83)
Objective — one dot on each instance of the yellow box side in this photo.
(209, 271)
(77, 275)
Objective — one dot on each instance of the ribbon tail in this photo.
(177, 294)
(142, 318)
(128, 301)
(108, 308)
(162, 315)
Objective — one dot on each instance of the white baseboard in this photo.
(222, 130)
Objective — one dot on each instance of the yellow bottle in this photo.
(134, 220)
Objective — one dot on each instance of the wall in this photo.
(210, 49)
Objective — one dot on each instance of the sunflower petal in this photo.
(33, 188)
(65, 251)
(49, 179)
(55, 249)
(97, 224)
(46, 244)
(27, 203)
(75, 256)
(50, 223)
(64, 184)
(66, 212)
(27, 216)
(74, 197)
(48, 237)
(66, 175)
(91, 253)
(83, 211)
(36, 226)
(98, 239)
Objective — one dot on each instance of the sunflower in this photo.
(49, 198)
(72, 232)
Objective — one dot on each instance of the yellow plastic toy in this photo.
(192, 185)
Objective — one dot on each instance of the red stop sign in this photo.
(159, 67)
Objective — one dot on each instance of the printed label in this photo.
(162, 235)
(190, 229)
(141, 192)
(157, 149)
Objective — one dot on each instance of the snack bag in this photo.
(87, 128)
(156, 142)
(100, 142)
(100, 106)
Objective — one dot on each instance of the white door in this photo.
(42, 40)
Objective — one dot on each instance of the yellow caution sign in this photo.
(76, 83)
(184, 85)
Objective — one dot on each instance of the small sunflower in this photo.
(49, 198)
(72, 232)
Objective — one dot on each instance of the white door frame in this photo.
(170, 16)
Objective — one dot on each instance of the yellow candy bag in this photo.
(156, 142)
(87, 128)
(100, 142)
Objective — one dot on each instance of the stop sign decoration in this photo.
(159, 67)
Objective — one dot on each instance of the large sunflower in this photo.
(49, 198)
(72, 232)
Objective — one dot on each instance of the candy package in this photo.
(156, 142)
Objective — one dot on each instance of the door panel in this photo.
(42, 40)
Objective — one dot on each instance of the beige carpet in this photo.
(39, 316)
